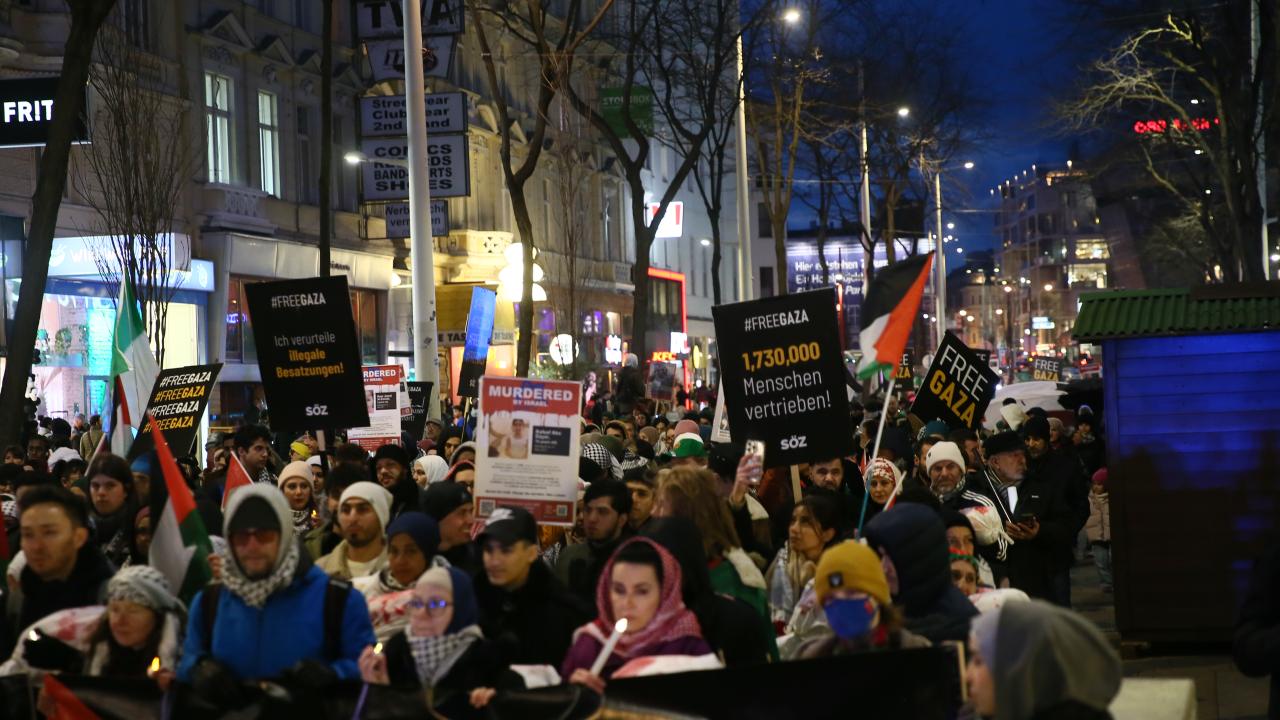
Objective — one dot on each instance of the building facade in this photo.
(249, 76)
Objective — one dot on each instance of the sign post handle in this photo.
(884, 415)
(795, 483)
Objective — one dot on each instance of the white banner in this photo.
(397, 217)
(386, 397)
(447, 161)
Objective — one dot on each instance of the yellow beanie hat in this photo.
(853, 566)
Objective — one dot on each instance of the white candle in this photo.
(618, 628)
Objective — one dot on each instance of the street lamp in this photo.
(355, 157)
(968, 165)
(791, 16)
(1048, 287)
(904, 111)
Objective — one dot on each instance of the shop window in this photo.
(1095, 249)
(217, 103)
(367, 313)
(239, 344)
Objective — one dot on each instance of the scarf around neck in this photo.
(434, 657)
(254, 593)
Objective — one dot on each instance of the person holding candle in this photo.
(140, 625)
(295, 483)
(441, 647)
(642, 585)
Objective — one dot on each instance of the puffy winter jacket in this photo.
(258, 644)
(1098, 529)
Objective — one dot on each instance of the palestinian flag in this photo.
(180, 546)
(133, 371)
(66, 706)
(237, 476)
(889, 311)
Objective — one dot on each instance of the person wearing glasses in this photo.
(442, 648)
(261, 621)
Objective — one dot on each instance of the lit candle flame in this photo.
(377, 649)
(33, 636)
(155, 666)
(620, 626)
(313, 513)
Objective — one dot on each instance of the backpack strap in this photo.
(335, 605)
(209, 611)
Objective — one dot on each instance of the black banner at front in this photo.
(957, 388)
(784, 376)
(308, 353)
(177, 402)
(1046, 368)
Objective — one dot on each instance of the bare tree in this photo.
(87, 17)
(1191, 72)
(571, 148)
(552, 43)
(133, 175)
(676, 52)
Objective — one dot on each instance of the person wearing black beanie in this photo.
(452, 507)
(391, 470)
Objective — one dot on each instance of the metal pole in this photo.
(864, 201)
(1260, 142)
(746, 271)
(426, 363)
(940, 260)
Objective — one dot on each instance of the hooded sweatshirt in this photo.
(1047, 662)
(915, 541)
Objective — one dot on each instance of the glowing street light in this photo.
(904, 111)
(951, 226)
(968, 165)
(1048, 287)
(791, 16)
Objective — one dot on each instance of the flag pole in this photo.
(884, 415)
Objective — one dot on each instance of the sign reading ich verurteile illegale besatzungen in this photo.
(783, 376)
(308, 353)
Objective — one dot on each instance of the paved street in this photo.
(1221, 691)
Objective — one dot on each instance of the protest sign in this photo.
(661, 382)
(382, 388)
(177, 402)
(1046, 368)
(984, 356)
(308, 353)
(475, 350)
(906, 369)
(957, 388)
(527, 447)
(720, 425)
(784, 376)
(416, 421)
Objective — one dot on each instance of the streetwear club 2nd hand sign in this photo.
(784, 376)
(308, 353)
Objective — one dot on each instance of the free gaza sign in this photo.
(26, 112)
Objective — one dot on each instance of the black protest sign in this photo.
(957, 388)
(1046, 368)
(308, 353)
(984, 356)
(905, 368)
(177, 402)
(419, 396)
(784, 376)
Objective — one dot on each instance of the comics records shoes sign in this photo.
(527, 447)
(385, 397)
(783, 375)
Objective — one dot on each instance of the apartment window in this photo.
(307, 190)
(217, 103)
(268, 143)
(136, 21)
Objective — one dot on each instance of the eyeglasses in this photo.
(434, 606)
(241, 537)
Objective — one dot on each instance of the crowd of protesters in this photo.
(373, 566)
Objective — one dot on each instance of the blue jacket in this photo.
(258, 644)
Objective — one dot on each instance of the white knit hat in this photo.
(945, 450)
(372, 493)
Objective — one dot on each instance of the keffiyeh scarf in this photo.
(434, 657)
(254, 593)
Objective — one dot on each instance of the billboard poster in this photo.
(527, 447)
(383, 389)
(844, 272)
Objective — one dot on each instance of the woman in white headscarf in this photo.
(429, 469)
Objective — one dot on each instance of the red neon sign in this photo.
(1148, 127)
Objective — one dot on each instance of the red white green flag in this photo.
(889, 311)
(180, 546)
